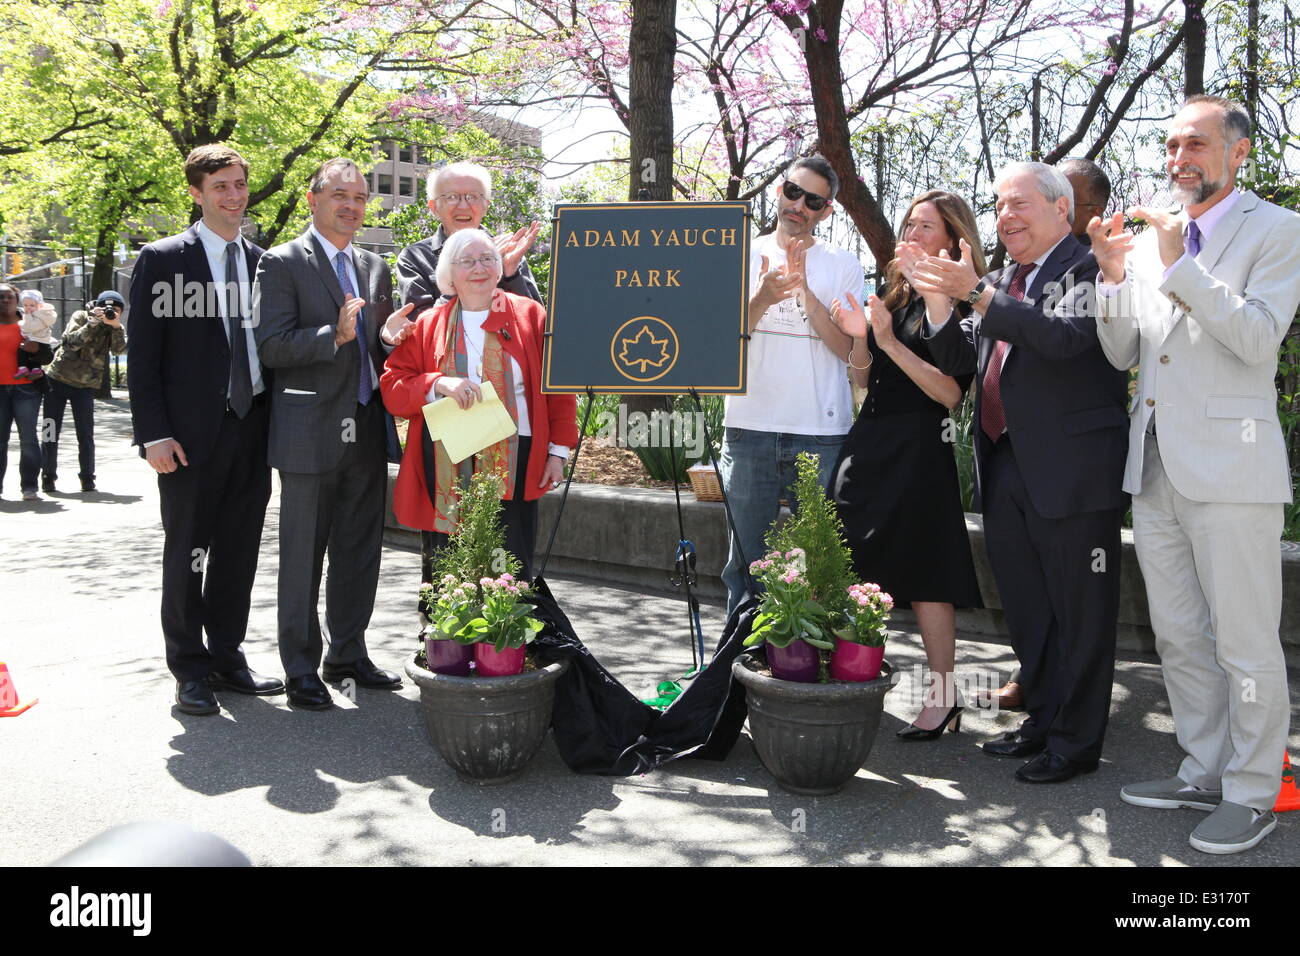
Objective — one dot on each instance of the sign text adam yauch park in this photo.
(648, 297)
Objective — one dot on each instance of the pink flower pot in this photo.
(855, 662)
(448, 657)
(797, 662)
(488, 663)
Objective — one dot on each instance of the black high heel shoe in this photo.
(951, 721)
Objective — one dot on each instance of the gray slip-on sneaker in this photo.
(1232, 828)
(1170, 794)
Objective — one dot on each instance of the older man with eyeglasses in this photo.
(459, 195)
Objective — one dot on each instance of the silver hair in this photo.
(460, 169)
(452, 249)
(31, 294)
(1051, 182)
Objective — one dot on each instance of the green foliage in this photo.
(816, 529)
(601, 405)
(686, 429)
(476, 548)
(787, 613)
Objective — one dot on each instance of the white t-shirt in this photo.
(796, 384)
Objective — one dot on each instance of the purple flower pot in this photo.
(448, 657)
(796, 662)
(855, 662)
(488, 663)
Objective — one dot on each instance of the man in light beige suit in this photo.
(1200, 302)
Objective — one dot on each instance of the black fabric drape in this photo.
(601, 728)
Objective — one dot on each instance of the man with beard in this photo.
(798, 396)
(1200, 302)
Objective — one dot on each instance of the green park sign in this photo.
(648, 297)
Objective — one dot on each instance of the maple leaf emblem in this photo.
(644, 350)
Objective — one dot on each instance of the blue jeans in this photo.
(83, 417)
(758, 470)
(21, 404)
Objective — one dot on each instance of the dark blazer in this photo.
(1066, 406)
(297, 299)
(178, 354)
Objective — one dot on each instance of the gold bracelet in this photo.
(860, 368)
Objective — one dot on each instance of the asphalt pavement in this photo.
(361, 784)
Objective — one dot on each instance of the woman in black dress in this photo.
(895, 484)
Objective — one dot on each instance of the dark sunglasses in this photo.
(794, 193)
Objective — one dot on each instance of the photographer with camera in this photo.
(92, 335)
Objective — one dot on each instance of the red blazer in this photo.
(411, 371)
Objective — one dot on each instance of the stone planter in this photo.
(487, 728)
(812, 737)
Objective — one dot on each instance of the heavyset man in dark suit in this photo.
(200, 412)
(324, 316)
(1050, 436)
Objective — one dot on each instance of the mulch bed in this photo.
(600, 463)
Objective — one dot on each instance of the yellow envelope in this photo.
(464, 431)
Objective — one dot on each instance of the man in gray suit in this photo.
(1200, 302)
(319, 306)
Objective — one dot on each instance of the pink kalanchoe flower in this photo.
(507, 576)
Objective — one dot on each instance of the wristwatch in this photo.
(974, 295)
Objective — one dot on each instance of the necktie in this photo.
(364, 386)
(1192, 240)
(241, 378)
(993, 417)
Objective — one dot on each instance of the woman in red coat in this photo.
(481, 334)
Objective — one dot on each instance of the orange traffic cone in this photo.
(1289, 798)
(9, 706)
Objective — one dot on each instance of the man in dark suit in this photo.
(1091, 188)
(200, 412)
(324, 316)
(1050, 442)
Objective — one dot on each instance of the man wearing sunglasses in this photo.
(798, 396)
(459, 195)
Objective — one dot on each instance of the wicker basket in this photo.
(704, 482)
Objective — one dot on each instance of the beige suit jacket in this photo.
(1205, 341)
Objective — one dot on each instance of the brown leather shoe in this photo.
(1007, 697)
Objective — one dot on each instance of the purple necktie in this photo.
(364, 386)
(1193, 239)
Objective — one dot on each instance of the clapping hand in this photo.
(1111, 245)
(346, 330)
(882, 323)
(513, 246)
(1169, 228)
(909, 255)
(776, 285)
(852, 320)
(941, 275)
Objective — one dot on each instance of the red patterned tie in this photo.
(993, 418)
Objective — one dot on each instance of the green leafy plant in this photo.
(475, 597)
(787, 613)
(816, 530)
(867, 612)
(504, 619)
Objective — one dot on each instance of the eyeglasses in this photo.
(467, 262)
(455, 199)
(794, 193)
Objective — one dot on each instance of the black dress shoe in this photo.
(195, 697)
(309, 692)
(1048, 767)
(245, 681)
(362, 671)
(1013, 744)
